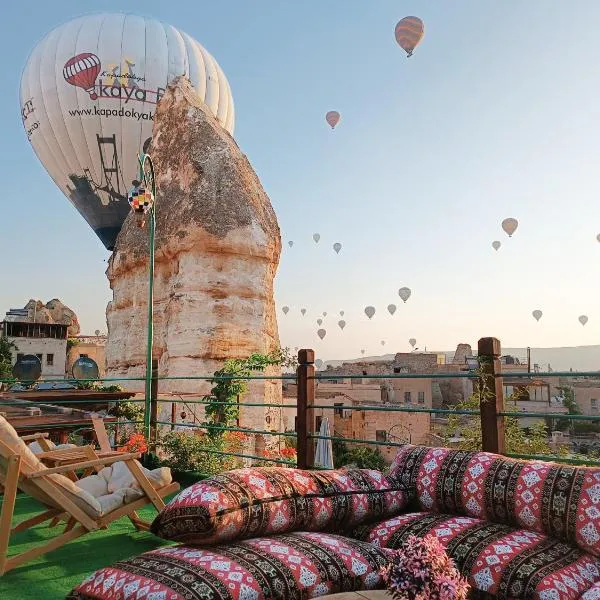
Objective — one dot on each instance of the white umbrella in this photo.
(324, 452)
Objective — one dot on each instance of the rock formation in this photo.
(52, 312)
(217, 251)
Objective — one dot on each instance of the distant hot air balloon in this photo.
(319, 322)
(296, 349)
(510, 226)
(370, 311)
(318, 363)
(583, 319)
(337, 247)
(404, 293)
(97, 332)
(341, 313)
(362, 351)
(383, 342)
(333, 118)
(303, 311)
(342, 324)
(290, 243)
(598, 237)
(391, 308)
(537, 314)
(316, 237)
(496, 245)
(412, 342)
(285, 310)
(409, 32)
(321, 333)
(324, 313)
(88, 97)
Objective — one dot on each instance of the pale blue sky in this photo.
(496, 115)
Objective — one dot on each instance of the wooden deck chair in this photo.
(101, 435)
(74, 502)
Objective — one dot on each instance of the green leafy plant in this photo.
(362, 457)
(6, 360)
(187, 452)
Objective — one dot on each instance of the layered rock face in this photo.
(217, 251)
(53, 311)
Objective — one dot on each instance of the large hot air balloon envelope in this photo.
(409, 32)
(89, 93)
(510, 226)
(537, 314)
(333, 118)
(404, 293)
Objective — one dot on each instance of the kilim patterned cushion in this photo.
(285, 567)
(505, 562)
(559, 500)
(247, 503)
(593, 593)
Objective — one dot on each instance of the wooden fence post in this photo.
(305, 420)
(154, 400)
(491, 391)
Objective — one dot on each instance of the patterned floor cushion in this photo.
(286, 567)
(497, 559)
(593, 593)
(251, 502)
(559, 500)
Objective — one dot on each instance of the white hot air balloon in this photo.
(510, 226)
(342, 324)
(337, 247)
(88, 96)
(290, 243)
(537, 314)
(391, 308)
(285, 310)
(316, 237)
(321, 333)
(496, 245)
(412, 342)
(370, 311)
(404, 293)
(303, 311)
(341, 313)
(318, 363)
(583, 319)
(319, 322)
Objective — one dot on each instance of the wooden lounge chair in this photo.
(81, 504)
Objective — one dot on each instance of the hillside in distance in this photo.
(577, 358)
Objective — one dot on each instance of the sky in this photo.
(496, 115)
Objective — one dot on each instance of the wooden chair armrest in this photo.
(105, 461)
(34, 436)
(58, 451)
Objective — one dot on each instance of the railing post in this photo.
(154, 400)
(491, 395)
(305, 413)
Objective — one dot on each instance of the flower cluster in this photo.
(136, 443)
(421, 570)
(286, 454)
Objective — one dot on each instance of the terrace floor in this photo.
(53, 575)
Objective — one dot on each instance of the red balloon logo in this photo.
(81, 71)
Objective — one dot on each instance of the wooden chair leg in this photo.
(49, 514)
(70, 524)
(8, 507)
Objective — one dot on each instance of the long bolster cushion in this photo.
(251, 502)
(292, 566)
(559, 500)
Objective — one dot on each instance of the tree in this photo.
(6, 359)
(568, 399)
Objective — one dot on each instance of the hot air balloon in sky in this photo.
(537, 314)
(598, 237)
(88, 96)
(362, 351)
(409, 32)
(342, 324)
(333, 118)
(321, 333)
(341, 313)
(324, 313)
(404, 293)
(391, 308)
(318, 363)
(337, 247)
(303, 311)
(412, 342)
(583, 319)
(370, 311)
(319, 322)
(285, 310)
(510, 226)
(383, 342)
(290, 243)
(316, 237)
(496, 245)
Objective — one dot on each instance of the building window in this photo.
(594, 404)
(83, 356)
(407, 397)
(421, 397)
(396, 369)
(364, 372)
(338, 411)
(50, 360)
(381, 435)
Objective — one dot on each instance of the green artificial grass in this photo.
(53, 575)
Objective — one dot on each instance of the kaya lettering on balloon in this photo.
(27, 111)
